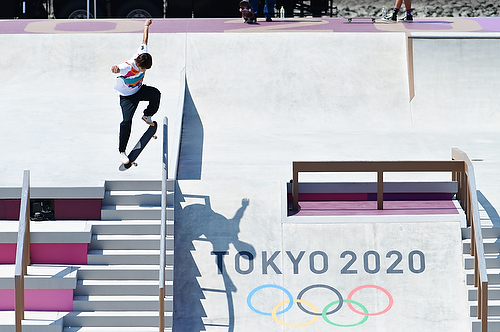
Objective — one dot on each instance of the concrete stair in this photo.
(35, 321)
(128, 200)
(118, 289)
(491, 239)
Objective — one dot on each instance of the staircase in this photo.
(118, 289)
(491, 239)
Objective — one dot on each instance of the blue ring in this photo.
(249, 299)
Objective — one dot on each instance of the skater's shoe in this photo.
(408, 17)
(268, 19)
(393, 18)
(148, 120)
(124, 158)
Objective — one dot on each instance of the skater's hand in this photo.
(115, 69)
(148, 22)
(245, 202)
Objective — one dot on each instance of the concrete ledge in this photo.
(35, 321)
(52, 242)
(49, 231)
(54, 192)
(47, 288)
(41, 277)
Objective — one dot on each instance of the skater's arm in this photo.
(146, 31)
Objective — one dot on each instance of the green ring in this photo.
(340, 325)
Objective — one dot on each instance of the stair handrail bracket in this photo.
(468, 200)
(22, 251)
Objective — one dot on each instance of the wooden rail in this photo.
(468, 200)
(454, 166)
(22, 252)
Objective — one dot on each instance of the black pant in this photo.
(129, 105)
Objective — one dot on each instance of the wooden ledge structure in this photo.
(380, 167)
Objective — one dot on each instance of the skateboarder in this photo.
(268, 10)
(397, 7)
(131, 90)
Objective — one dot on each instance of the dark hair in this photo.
(144, 60)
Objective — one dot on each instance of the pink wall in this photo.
(48, 253)
(9, 209)
(64, 209)
(39, 299)
(7, 253)
(77, 209)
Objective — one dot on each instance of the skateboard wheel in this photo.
(135, 164)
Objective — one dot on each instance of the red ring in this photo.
(391, 300)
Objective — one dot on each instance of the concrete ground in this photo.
(255, 102)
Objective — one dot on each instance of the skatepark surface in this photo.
(254, 99)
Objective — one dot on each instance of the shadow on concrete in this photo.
(489, 208)
(198, 222)
(191, 150)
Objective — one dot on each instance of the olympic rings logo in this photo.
(313, 311)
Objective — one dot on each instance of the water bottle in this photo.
(384, 12)
(282, 12)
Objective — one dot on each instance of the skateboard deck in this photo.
(373, 18)
(136, 151)
(246, 10)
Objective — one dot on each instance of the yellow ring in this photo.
(275, 309)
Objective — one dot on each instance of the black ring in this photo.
(299, 297)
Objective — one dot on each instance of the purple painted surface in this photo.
(220, 25)
(369, 208)
(488, 23)
(429, 25)
(95, 26)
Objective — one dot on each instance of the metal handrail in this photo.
(469, 202)
(23, 258)
(164, 178)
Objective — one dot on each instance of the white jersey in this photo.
(130, 77)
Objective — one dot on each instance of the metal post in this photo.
(161, 300)
(380, 190)
(22, 252)
(295, 189)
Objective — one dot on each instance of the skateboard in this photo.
(246, 10)
(349, 19)
(136, 151)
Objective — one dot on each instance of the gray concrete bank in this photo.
(254, 103)
(247, 120)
